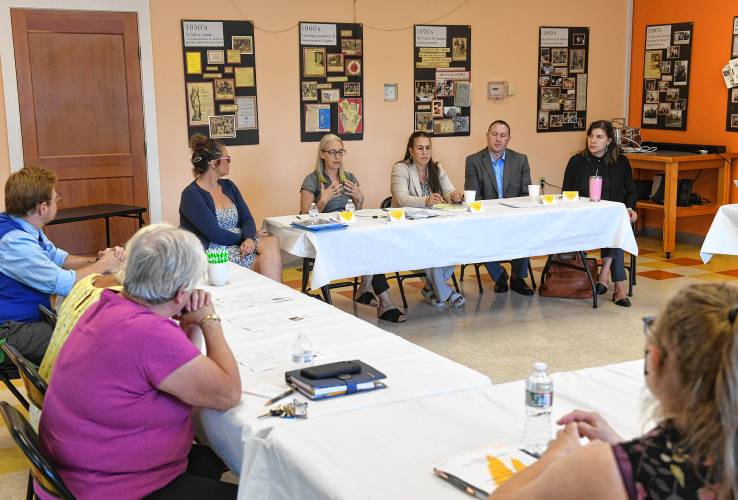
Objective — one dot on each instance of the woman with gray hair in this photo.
(117, 418)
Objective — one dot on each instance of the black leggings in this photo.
(201, 480)
(379, 284)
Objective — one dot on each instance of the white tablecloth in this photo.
(374, 246)
(412, 372)
(389, 452)
(723, 234)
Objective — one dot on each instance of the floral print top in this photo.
(652, 467)
(228, 220)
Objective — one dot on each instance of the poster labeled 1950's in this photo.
(331, 81)
(220, 80)
(442, 79)
(563, 55)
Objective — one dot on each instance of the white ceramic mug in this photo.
(469, 196)
(534, 191)
(218, 274)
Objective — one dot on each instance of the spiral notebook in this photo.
(479, 472)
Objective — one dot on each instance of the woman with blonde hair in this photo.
(330, 187)
(691, 368)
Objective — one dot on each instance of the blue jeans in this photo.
(519, 268)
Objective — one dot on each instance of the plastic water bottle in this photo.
(538, 402)
(313, 214)
(302, 350)
(350, 207)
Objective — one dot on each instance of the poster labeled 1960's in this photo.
(563, 55)
(442, 79)
(331, 80)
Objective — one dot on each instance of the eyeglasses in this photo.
(226, 158)
(335, 153)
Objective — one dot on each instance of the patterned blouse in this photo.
(228, 220)
(652, 467)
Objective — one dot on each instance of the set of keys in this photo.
(295, 409)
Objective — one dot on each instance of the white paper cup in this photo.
(469, 196)
(218, 274)
(534, 191)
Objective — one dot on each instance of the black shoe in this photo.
(624, 302)
(501, 283)
(600, 288)
(520, 286)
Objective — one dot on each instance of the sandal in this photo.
(366, 298)
(623, 302)
(431, 298)
(600, 288)
(456, 299)
(393, 316)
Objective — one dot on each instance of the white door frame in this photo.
(10, 83)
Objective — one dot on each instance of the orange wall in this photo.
(711, 39)
(504, 47)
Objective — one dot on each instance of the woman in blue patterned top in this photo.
(691, 369)
(213, 209)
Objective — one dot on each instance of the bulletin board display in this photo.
(220, 80)
(731, 119)
(331, 80)
(666, 69)
(563, 65)
(442, 67)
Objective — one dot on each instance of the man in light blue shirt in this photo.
(31, 267)
(499, 172)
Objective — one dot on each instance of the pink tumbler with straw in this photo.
(595, 188)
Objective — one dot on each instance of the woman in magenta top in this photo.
(117, 418)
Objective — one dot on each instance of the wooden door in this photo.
(79, 89)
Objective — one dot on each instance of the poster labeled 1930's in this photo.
(220, 80)
(442, 79)
(666, 69)
(331, 81)
(563, 63)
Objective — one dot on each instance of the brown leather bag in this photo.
(561, 280)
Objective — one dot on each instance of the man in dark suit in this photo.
(498, 172)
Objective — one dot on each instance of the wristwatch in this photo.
(207, 318)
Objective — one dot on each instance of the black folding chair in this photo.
(35, 386)
(8, 373)
(307, 267)
(47, 315)
(27, 440)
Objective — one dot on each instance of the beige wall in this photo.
(504, 47)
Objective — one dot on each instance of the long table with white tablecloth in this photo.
(374, 245)
(722, 238)
(261, 320)
(388, 452)
(433, 407)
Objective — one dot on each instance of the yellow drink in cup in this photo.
(346, 216)
(396, 214)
